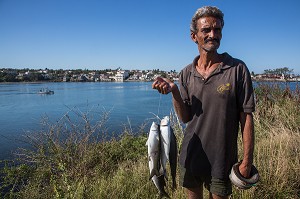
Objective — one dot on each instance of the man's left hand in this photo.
(245, 170)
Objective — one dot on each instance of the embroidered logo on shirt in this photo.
(224, 87)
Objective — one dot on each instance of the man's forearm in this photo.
(248, 141)
(181, 109)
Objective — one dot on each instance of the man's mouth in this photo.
(212, 41)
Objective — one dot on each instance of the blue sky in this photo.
(143, 34)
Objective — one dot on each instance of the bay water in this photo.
(130, 105)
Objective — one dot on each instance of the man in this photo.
(216, 95)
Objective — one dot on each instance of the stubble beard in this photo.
(211, 49)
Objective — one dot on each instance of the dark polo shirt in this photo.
(210, 140)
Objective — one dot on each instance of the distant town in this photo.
(119, 75)
(79, 75)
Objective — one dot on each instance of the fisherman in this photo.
(215, 96)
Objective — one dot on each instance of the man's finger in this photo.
(155, 83)
(160, 79)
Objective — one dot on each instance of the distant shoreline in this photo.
(274, 80)
(41, 82)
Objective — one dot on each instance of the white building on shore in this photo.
(121, 75)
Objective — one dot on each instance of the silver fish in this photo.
(162, 147)
(153, 144)
(173, 157)
(165, 132)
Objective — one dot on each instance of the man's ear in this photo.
(193, 37)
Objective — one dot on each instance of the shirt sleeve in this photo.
(245, 91)
(184, 88)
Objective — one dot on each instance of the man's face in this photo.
(209, 33)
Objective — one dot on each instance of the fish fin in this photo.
(161, 171)
(153, 173)
(166, 176)
(146, 143)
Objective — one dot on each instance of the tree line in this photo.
(279, 71)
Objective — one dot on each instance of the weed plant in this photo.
(78, 159)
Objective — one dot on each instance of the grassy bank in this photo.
(67, 160)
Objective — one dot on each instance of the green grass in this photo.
(77, 159)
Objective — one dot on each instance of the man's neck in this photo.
(208, 60)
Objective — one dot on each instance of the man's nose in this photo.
(212, 34)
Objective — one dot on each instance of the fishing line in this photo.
(158, 109)
(159, 104)
(157, 115)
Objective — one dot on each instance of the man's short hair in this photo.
(206, 11)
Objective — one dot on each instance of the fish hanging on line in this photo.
(153, 143)
(162, 147)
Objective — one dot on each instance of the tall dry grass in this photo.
(77, 159)
(277, 152)
(277, 141)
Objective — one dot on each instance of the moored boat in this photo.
(46, 91)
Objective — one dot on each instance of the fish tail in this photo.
(163, 172)
(153, 173)
(174, 185)
(162, 183)
(164, 194)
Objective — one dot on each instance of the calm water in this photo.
(22, 108)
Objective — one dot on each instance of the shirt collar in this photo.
(227, 63)
(194, 64)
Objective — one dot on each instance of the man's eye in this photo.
(206, 30)
(218, 30)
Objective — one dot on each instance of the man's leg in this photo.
(195, 193)
(192, 184)
(219, 189)
(214, 196)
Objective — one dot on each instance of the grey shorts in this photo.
(216, 186)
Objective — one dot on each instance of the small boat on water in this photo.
(46, 91)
